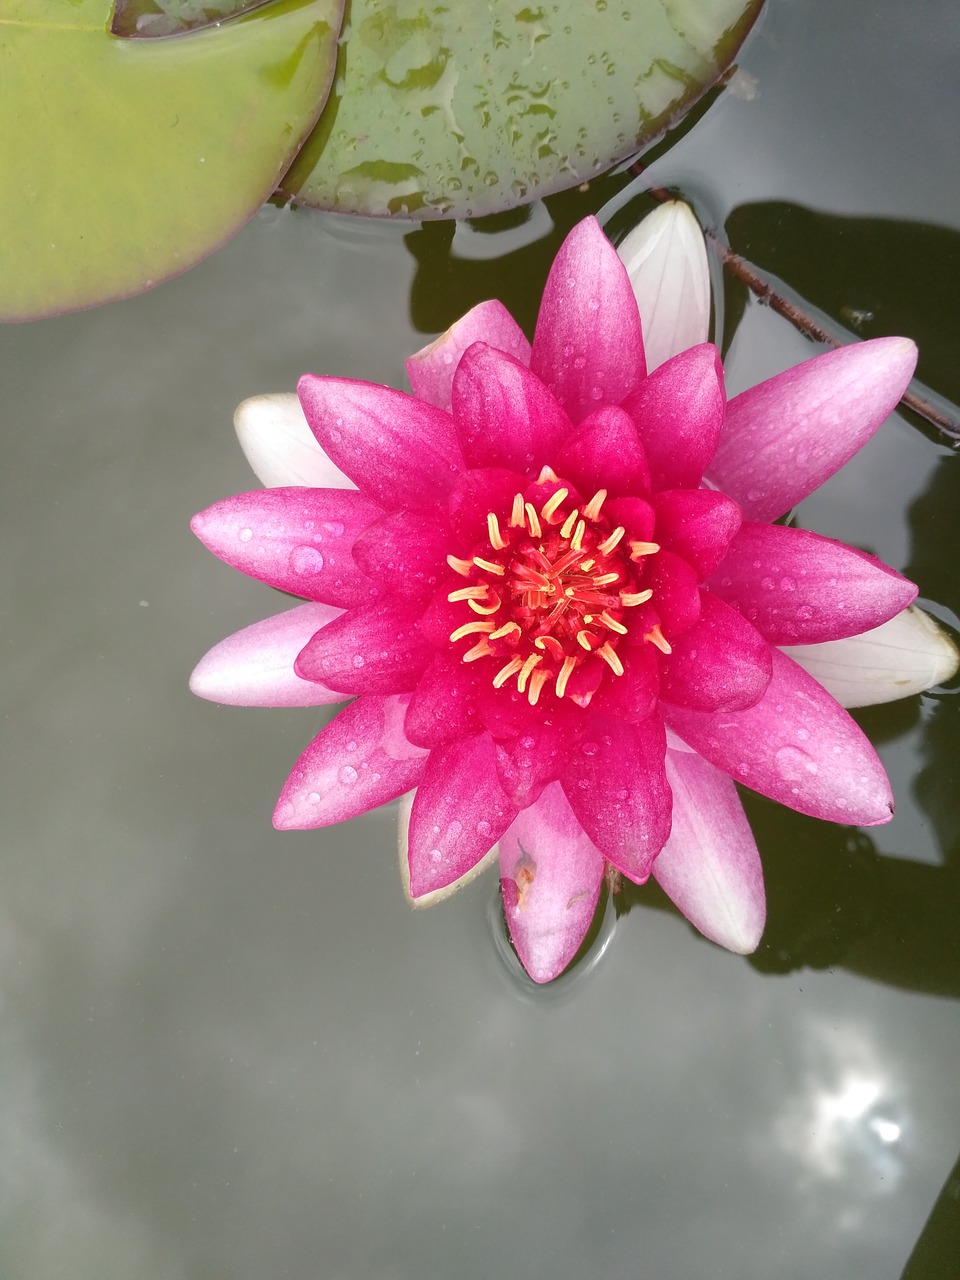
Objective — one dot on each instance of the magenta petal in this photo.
(443, 706)
(797, 746)
(676, 592)
(474, 495)
(431, 370)
(405, 553)
(632, 696)
(807, 589)
(618, 789)
(710, 867)
(786, 436)
(458, 814)
(399, 451)
(588, 348)
(550, 876)
(678, 412)
(254, 667)
(604, 453)
(721, 663)
(536, 756)
(377, 648)
(697, 524)
(297, 540)
(504, 415)
(360, 760)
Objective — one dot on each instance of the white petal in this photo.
(438, 895)
(666, 259)
(906, 655)
(280, 447)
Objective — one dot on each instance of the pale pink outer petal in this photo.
(405, 808)
(431, 369)
(710, 867)
(357, 762)
(400, 451)
(588, 347)
(785, 437)
(550, 875)
(254, 667)
(280, 447)
(666, 260)
(797, 746)
(904, 656)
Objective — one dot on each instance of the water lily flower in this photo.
(551, 583)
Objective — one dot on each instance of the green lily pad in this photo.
(466, 109)
(126, 161)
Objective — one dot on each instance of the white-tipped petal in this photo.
(906, 655)
(280, 447)
(666, 259)
(438, 895)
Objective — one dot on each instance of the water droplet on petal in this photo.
(348, 775)
(306, 561)
(795, 765)
(245, 535)
(589, 748)
(358, 659)
(484, 828)
(314, 797)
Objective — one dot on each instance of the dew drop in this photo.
(314, 797)
(454, 829)
(484, 828)
(245, 535)
(351, 745)
(795, 765)
(306, 561)
(358, 659)
(788, 584)
(348, 775)
(767, 583)
(589, 748)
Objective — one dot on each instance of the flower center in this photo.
(553, 594)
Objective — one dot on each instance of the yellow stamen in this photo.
(480, 650)
(583, 640)
(607, 545)
(602, 579)
(567, 527)
(471, 628)
(505, 630)
(477, 592)
(537, 681)
(592, 509)
(549, 508)
(656, 636)
(504, 674)
(566, 671)
(612, 623)
(525, 670)
(463, 567)
(489, 566)
(610, 658)
(577, 540)
(533, 524)
(638, 549)
(516, 515)
(497, 540)
(547, 476)
(587, 565)
(485, 610)
(630, 598)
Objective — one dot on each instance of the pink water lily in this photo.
(558, 600)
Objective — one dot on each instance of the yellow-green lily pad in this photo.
(126, 161)
(466, 109)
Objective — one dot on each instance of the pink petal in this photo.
(588, 348)
(550, 875)
(504, 415)
(710, 867)
(459, 813)
(280, 447)
(474, 495)
(676, 592)
(604, 453)
(405, 552)
(431, 370)
(697, 524)
(785, 437)
(796, 746)
(617, 787)
(678, 412)
(399, 451)
(632, 696)
(535, 757)
(807, 589)
(722, 663)
(666, 260)
(297, 540)
(443, 706)
(404, 809)
(254, 667)
(360, 760)
(377, 648)
(904, 656)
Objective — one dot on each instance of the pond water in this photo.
(233, 1054)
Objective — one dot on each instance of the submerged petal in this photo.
(710, 866)
(796, 746)
(785, 437)
(550, 876)
(906, 655)
(357, 762)
(279, 445)
(431, 370)
(588, 347)
(254, 667)
(666, 260)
